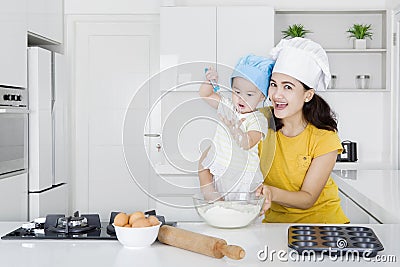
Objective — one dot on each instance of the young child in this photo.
(231, 164)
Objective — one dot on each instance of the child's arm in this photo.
(249, 139)
(206, 90)
(252, 139)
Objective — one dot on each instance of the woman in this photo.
(297, 185)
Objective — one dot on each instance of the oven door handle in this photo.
(14, 111)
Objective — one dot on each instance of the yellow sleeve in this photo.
(327, 142)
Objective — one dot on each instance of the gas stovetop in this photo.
(58, 226)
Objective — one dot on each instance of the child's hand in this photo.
(211, 74)
(234, 128)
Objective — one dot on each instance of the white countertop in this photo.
(377, 191)
(50, 253)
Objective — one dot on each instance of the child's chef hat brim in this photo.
(304, 60)
(256, 69)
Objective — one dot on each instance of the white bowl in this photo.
(137, 237)
(228, 210)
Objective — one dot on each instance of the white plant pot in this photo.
(360, 44)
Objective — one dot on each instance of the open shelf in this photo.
(341, 90)
(346, 50)
(328, 28)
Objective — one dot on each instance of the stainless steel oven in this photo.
(13, 131)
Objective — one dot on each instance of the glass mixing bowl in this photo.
(228, 209)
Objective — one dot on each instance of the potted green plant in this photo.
(295, 30)
(360, 33)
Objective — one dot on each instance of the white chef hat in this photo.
(304, 60)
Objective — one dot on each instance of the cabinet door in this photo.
(242, 30)
(14, 198)
(52, 201)
(354, 212)
(13, 43)
(61, 122)
(187, 34)
(188, 37)
(113, 59)
(46, 19)
(40, 133)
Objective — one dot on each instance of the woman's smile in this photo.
(280, 105)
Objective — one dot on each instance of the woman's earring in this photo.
(306, 100)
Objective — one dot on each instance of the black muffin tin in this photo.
(334, 239)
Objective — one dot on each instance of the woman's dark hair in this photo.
(317, 112)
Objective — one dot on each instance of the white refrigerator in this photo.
(48, 188)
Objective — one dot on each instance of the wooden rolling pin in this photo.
(203, 244)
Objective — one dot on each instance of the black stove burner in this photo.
(84, 226)
(76, 224)
(74, 221)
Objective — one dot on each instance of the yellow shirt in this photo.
(287, 167)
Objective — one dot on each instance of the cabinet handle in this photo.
(152, 135)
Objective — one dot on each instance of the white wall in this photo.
(394, 4)
(152, 6)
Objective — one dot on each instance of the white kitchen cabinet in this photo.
(242, 30)
(354, 212)
(216, 35)
(114, 56)
(46, 19)
(14, 198)
(40, 129)
(187, 34)
(48, 192)
(61, 119)
(13, 43)
(193, 38)
(48, 202)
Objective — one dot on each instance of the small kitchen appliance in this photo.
(349, 153)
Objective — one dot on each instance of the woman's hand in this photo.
(264, 190)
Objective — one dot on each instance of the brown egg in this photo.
(127, 225)
(153, 220)
(121, 219)
(141, 222)
(136, 215)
